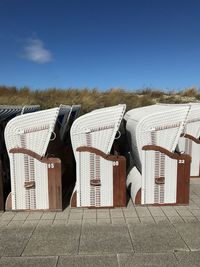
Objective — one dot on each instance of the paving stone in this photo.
(6, 216)
(103, 221)
(188, 259)
(169, 211)
(53, 240)
(175, 219)
(75, 222)
(16, 223)
(195, 212)
(88, 215)
(28, 261)
(132, 221)
(190, 233)
(156, 211)
(35, 215)
(189, 219)
(48, 216)
(88, 260)
(4, 222)
(76, 216)
(21, 216)
(31, 223)
(45, 222)
(59, 222)
(130, 213)
(150, 259)
(76, 210)
(13, 240)
(147, 220)
(103, 214)
(89, 221)
(105, 239)
(118, 220)
(143, 211)
(184, 212)
(155, 238)
(161, 220)
(61, 216)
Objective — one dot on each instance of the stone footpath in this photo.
(132, 236)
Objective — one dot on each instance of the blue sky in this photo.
(131, 44)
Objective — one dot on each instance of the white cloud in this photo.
(35, 51)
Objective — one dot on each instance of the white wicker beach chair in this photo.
(99, 176)
(7, 112)
(158, 175)
(35, 180)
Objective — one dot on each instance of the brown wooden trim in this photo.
(196, 177)
(34, 155)
(8, 204)
(119, 182)
(74, 200)
(138, 197)
(183, 182)
(167, 152)
(96, 152)
(29, 185)
(194, 139)
(55, 186)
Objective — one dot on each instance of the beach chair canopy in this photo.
(97, 129)
(159, 125)
(31, 131)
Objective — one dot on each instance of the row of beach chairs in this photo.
(52, 158)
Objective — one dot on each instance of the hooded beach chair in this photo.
(100, 176)
(7, 112)
(158, 175)
(36, 175)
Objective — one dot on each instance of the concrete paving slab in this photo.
(35, 215)
(156, 238)
(188, 259)
(190, 232)
(13, 240)
(21, 216)
(150, 259)
(48, 216)
(28, 261)
(53, 240)
(105, 239)
(89, 261)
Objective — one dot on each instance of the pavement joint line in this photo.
(79, 240)
(166, 216)
(137, 215)
(151, 215)
(174, 253)
(180, 237)
(58, 257)
(34, 228)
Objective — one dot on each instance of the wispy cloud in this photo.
(34, 50)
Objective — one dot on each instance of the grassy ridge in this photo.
(93, 99)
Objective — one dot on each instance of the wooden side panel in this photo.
(183, 180)
(119, 183)
(55, 186)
